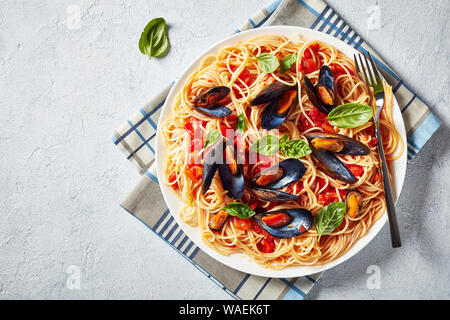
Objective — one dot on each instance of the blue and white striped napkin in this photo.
(136, 138)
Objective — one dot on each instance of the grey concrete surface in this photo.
(62, 92)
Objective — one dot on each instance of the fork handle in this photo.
(390, 205)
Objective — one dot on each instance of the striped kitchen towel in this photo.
(136, 139)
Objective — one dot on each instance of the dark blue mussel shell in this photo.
(301, 221)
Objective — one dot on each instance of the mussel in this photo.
(265, 185)
(337, 143)
(213, 153)
(206, 102)
(353, 203)
(285, 223)
(221, 156)
(323, 147)
(322, 96)
(280, 100)
(217, 220)
(230, 172)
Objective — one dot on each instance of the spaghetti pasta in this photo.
(236, 67)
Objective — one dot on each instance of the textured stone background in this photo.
(63, 91)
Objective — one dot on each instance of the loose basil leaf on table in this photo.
(267, 62)
(329, 218)
(294, 148)
(212, 137)
(351, 115)
(239, 210)
(267, 145)
(241, 126)
(154, 41)
(288, 62)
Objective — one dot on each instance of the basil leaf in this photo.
(241, 126)
(268, 145)
(212, 137)
(154, 40)
(329, 218)
(294, 148)
(239, 210)
(288, 62)
(350, 115)
(267, 62)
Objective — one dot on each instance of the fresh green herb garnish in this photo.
(267, 62)
(239, 210)
(154, 41)
(350, 115)
(268, 145)
(212, 137)
(294, 148)
(288, 62)
(329, 218)
(241, 126)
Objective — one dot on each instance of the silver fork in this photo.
(372, 78)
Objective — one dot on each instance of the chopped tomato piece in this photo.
(308, 66)
(172, 179)
(266, 245)
(327, 198)
(241, 224)
(355, 169)
(327, 127)
(315, 47)
(373, 142)
(195, 172)
(376, 178)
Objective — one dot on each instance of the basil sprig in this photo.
(329, 218)
(267, 145)
(239, 210)
(288, 62)
(267, 62)
(241, 126)
(294, 148)
(212, 137)
(350, 115)
(154, 41)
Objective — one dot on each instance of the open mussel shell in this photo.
(210, 166)
(278, 111)
(333, 166)
(353, 203)
(273, 195)
(215, 111)
(230, 172)
(337, 143)
(272, 92)
(217, 220)
(322, 96)
(285, 223)
(280, 175)
(211, 96)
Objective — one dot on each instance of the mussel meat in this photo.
(230, 172)
(277, 112)
(217, 220)
(322, 96)
(207, 102)
(266, 184)
(337, 143)
(353, 203)
(285, 223)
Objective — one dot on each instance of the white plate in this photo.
(241, 261)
